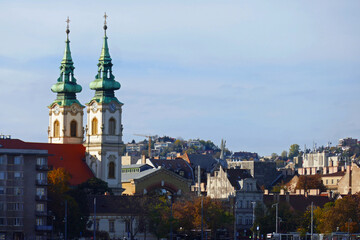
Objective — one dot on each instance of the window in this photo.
(239, 220)
(2, 160)
(41, 176)
(73, 128)
(111, 226)
(15, 206)
(127, 226)
(112, 126)
(56, 129)
(18, 175)
(40, 191)
(40, 207)
(18, 191)
(40, 222)
(2, 206)
(2, 190)
(111, 170)
(2, 222)
(240, 204)
(41, 161)
(17, 160)
(2, 175)
(18, 222)
(94, 126)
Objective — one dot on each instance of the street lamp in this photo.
(253, 218)
(350, 220)
(276, 219)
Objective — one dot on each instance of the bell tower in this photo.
(104, 126)
(66, 112)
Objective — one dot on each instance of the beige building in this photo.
(350, 182)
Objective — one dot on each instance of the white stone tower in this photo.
(104, 128)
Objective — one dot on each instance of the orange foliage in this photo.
(59, 180)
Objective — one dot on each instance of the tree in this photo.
(294, 151)
(338, 215)
(95, 186)
(310, 182)
(187, 212)
(274, 156)
(58, 180)
(61, 198)
(284, 155)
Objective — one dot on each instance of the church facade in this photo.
(102, 135)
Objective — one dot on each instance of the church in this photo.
(103, 132)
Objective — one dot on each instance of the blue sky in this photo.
(260, 74)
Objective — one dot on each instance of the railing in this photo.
(41, 213)
(41, 198)
(41, 182)
(42, 167)
(43, 228)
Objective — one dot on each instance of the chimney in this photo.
(143, 159)
(348, 173)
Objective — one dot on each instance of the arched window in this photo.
(112, 126)
(73, 128)
(56, 129)
(111, 173)
(94, 126)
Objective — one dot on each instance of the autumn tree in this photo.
(338, 215)
(187, 211)
(310, 182)
(62, 198)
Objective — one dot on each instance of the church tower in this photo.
(66, 112)
(104, 127)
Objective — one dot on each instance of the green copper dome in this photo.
(104, 83)
(66, 86)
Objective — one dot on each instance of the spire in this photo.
(104, 83)
(66, 86)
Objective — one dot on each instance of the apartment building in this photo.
(23, 193)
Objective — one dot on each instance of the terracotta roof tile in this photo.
(68, 156)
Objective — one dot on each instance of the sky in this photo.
(261, 75)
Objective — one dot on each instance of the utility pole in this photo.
(235, 206)
(65, 219)
(312, 220)
(94, 218)
(202, 219)
(253, 218)
(276, 220)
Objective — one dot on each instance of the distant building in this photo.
(23, 192)
(135, 147)
(243, 156)
(120, 216)
(264, 172)
(160, 146)
(141, 179)
(347, 143)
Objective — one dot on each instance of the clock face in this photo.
(94, 107)
(112, 107)
(73, 109)
(56, 109)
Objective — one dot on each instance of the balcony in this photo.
(41, 182)
(41, 198)
(42, 167)
(41, 213)
(43, 228)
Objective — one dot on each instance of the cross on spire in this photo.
(105, 16)
(67, 26)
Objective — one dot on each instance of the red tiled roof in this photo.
(68, 156)
(336, 174)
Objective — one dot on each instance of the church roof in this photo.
(104, 83)
(66, 86)
(68, 156)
